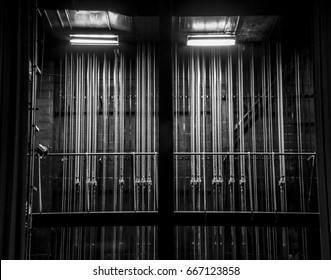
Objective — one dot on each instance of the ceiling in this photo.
(146, 28)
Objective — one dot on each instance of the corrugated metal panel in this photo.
(88, 19)
(222, 24)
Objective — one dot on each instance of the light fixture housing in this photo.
(41, 150)
(94, 39)
(211, 40)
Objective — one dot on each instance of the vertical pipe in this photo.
(132, 179)
(232, 179)
(76, 86)
(214, 114)
(88, 125)
(122, 129)
(192, 125)
(204, 147)
(184, 94)
(241, 123)
(104, 149)
(116, 128)
(143, 124)
(176, 109)
(265, 146)
(299, 145)
(254, 171)
(154, 137)
(64, 161)
(204, 86)
(282, 181)
(198, 148)
(135, 194)
(137, 179)
(175, 77)
(198, 127)
(149, 128)
(82, 131)
(219, 148)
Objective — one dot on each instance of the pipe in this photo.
(242, 183)
(232, 178)
(175, 71)
(254, 172)
(149, 129)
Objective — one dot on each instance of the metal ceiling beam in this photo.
(182, 8)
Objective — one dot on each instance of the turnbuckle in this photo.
(231, 180)
(281, 181)
(121, 182)
(149, 183)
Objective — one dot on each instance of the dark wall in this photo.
(14, 51)
(322, 46)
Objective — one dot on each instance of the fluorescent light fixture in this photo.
(93, 36)
(94, 39)
(210, 40)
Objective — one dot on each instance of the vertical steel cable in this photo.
(116, 127)
(83, 130)
(136, 159)
(71, 186)
(299, 144)
(64, 159)
(62, 242)
(281, 126)
(212, 86)
(76, 163)
(219, 148)
(299, 130)
(88, 125)
(282, 180)
(95, 128)
(154, 138)
(143, 124)
(175, 77)
(184, 94)
(198, 122)
(192, 125)
(254, 172)
(122, 128)
(241, 124)
(265, 145)
(265, 130)
(104, 144)
(204, 143)
(231, 150)
(149, 128)
(219, 142)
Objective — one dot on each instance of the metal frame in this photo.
(166, 218)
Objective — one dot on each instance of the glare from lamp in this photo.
(210, 40)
